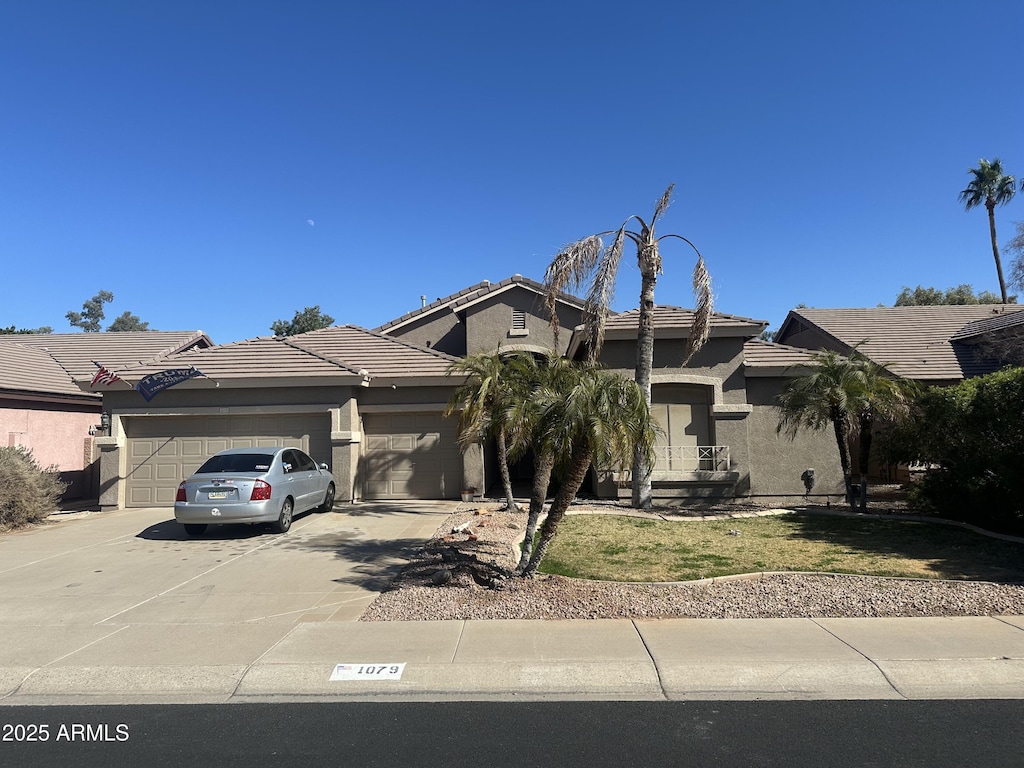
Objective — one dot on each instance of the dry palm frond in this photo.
(568, 270)
(602, 292)
(703, 309)
(662, 204)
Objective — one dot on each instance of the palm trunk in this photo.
(866, 425)
(579, 465)
(843, 442)
(542, 465)
(995, 247)
(641, 486)
(506, 479)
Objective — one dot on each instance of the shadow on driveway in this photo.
(172, 530)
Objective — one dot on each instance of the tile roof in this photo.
(49, 363)
(768, 358)
(264, 357)
(28, 370)
(343, 355)
(913, 342)
(383, 357)
(997, 322)
(473, 293)
(668, 316)
(77, 352)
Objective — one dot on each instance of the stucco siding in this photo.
(489, 323)
(56, 434)
(443, 331)
(777, 462)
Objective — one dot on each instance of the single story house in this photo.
(370, 403)
(43, 410)
(939, 345)
(932, 345)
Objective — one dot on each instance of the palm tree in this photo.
(829, 394)
(883, 397)
(600, 418)
(589, 261)
(845, 392)
(990, 187)
(491, 387)
(549, 377)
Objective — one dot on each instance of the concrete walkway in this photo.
(122, 607)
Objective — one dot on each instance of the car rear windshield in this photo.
(236, 462)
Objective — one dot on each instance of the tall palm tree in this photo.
(990, 187)
(482, 401)
(589, 261)
(600, 418)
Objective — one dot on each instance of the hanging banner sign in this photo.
(156, 383)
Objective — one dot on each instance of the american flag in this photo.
(103, 376)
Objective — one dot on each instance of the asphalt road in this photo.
(819, 734)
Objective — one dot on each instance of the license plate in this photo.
(217, 495)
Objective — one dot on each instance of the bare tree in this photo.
(588, 261)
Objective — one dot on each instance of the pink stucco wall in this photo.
(54, 436)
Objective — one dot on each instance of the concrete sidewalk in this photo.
(124, 608)
(924, 658)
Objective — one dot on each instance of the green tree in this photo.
(849, 394)
(961, 294)
(600, 418)
(126, 321)
(825, 396)
(92, 314)
(493, 384)
(588, 261)
(882, 397)
(549, 377)
(1016, 247)
(990, 187)
(9, 330)
(309, 319)
(971, 436)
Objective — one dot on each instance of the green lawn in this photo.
(619, 548)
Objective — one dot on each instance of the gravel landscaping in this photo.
(459, 575)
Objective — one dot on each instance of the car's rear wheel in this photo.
(195, 529)
(284, 520)
(328, 504)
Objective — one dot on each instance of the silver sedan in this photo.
(253, 485)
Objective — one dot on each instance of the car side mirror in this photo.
(324, 466)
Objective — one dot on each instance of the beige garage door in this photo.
(411, 456)
(164, 450)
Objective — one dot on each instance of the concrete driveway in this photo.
(130, 589)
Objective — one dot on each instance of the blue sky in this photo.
(220, 165)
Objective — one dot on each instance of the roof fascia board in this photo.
(41, 397)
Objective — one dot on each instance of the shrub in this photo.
(28, 492)
(972, 435)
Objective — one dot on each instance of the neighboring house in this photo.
(717, 413)
(368, 405)
(371, 403)
(930, 344)
(43, 410)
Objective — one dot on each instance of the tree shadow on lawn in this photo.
(953, 553)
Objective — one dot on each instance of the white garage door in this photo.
(411, 456)
(163, 450)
